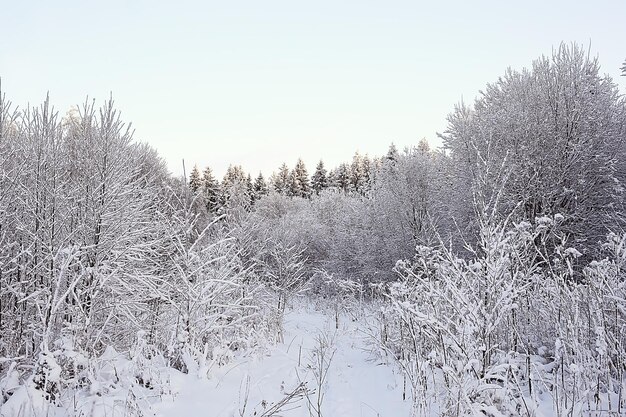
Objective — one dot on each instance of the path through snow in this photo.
(356, 384)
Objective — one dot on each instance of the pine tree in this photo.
(211, 189)
(319, 180)
(372, 171)
(195, 182)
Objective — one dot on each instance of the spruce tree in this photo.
(423, 146)
(211, 189)
(195, 182)
(357, 174)
(300, 185)
(331, 178)
(367, 172)
(234, 175)
(342, 177)
(234, 188)
(392, 153)
(319, 180)
(281, 180)
(260, 186)
(292, 185)
(250, 190)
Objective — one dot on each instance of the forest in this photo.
(487, 272)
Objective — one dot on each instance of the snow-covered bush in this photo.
(494, 335)
(97, 245)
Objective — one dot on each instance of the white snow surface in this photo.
(357, 383)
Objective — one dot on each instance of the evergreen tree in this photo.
(358, 176)
(390, 161)
(250, 189)
(260, 186)
(332, 178)
(319, 180)
(281, 180)
(195, 182)
(211, 190)
(292, 185)
(300, 186)
(235, 189)
(342, 177)
(374, 166)
(423, 146)
(392, 153)
(234, 174)
(367, 174)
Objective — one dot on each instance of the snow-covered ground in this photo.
(356, 384)
(326, 368)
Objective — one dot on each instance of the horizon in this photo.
(259, 85)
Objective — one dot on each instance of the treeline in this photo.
(355, 220)
(349, 178)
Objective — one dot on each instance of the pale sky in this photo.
(259, 83)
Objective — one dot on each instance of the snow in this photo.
(336, 366)
(357, 384)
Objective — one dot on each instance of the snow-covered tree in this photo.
(280, 180)
(99, 244)
(408, 202)
(205, 292)
(299, 181)
(341, 177)
(260, 186)
(236, 197)
(285, 270)
(557, 129)
(210, 190)
(319, 180)
(392, 153)
(360, 174)
(195, 180)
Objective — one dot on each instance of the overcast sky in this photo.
(259, 83)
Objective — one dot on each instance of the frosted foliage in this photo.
(98, 244)
(483, 278)
(498, 333)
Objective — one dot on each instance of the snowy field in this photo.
(487, 276)
(323, 367)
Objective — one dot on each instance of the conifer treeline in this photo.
(350, 178)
